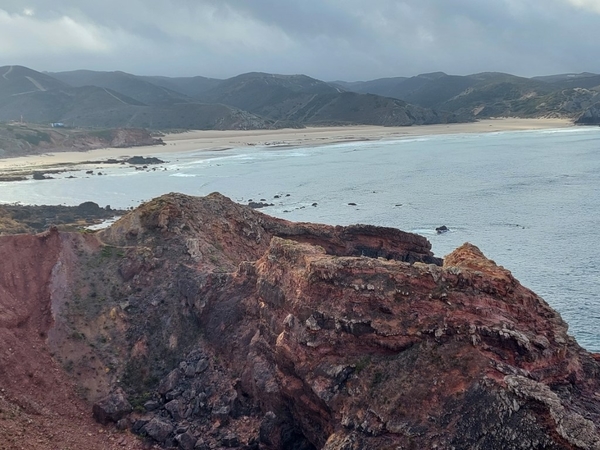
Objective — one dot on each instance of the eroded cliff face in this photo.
(228, 328)
(40, 406)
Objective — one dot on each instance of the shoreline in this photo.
(211, 140)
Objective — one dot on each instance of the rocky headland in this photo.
(18, 139)
(15, 219)
(591, 116)
(198, 323)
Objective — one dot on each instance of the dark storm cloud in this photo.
(328, 39)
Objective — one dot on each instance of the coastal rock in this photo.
(141, 160)
(591, 116)
(258, 205)
(365, 338)
(41, 176)
(442, 229)
(242, 329)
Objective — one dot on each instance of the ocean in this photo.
(530, 200)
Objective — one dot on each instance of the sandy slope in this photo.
(222, 140)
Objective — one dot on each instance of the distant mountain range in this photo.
(260, 100)
(491, 94)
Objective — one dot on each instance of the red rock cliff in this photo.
(228, 328)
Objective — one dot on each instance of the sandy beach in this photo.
(223, 140)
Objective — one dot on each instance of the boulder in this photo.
(186, 441)
(112, 408)
(442, 229)
(158, 429)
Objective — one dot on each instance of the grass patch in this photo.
(34, 139)
(106, 135)
(362, 364)
(107, 251)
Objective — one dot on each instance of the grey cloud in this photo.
(328, 39)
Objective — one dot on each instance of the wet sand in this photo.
(312, 136)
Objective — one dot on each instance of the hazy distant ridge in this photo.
(262, 100)
(491, 94)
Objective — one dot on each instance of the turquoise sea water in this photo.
(530, 200)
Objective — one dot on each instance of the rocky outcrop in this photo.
(227, 328)
(20, 140)
(355, 337)
(35, 219)
(591, 116)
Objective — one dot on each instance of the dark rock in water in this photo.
(90, 172)
(277, 196)
(141, 160)
(351, 204)
(14, 178)
(41, 176)
(315, 204)
(258, 205)
(112, 408)
(442, 229)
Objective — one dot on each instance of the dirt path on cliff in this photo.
(5, 75)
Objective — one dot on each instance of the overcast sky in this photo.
(327, 39)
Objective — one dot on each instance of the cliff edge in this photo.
(198, 323)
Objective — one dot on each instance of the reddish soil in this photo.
(39, 405)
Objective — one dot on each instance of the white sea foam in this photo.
(183, 175)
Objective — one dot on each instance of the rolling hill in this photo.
(19, 80)
(584, 80)
(385, 87)
(491, 94)
(133, 86)
(192, 87)
(305, 100)
(263, 100)
(248, 101)
(36, 97)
